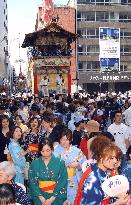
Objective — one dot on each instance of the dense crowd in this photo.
(59, 150)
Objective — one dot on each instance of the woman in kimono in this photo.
(31, 141)
(89, 190)
(5, 130)
(48, 177)
(73, 158)
(17, 157)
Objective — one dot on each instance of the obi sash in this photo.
(33, 147)
(47, 186)
(71, 172)
(105, 201)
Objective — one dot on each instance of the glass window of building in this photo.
(78, 16)
(95, 65)
(125, 33)
(80, 65)
(124, 17)
(100, 16)
(126, 2)
(88, 16)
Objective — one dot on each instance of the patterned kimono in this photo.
(126, 171)
(92, 191)
(18, 160)
(47, 181)
(31, 142)
(74, 175)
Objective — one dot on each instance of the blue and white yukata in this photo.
(92, 190)
(74, 175)
(18, 160)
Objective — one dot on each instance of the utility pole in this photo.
(19, 54)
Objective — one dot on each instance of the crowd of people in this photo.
(59, 150)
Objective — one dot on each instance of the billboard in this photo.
(109, 43)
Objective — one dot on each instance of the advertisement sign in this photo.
(109, 43)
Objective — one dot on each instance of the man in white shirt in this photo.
(120, 132)
(59, 84)
(44, 86)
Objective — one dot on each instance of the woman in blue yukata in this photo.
(73, 158)
(89, 190)
(16, 153)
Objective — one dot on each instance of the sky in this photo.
(21, 20)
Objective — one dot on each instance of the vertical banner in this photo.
(109, 43)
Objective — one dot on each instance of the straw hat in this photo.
(92, 126)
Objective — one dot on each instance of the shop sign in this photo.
(104, 77)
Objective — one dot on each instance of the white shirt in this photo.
(127, 116)
(44, 82)
(120, 133)
(59, 81)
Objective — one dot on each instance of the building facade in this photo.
(92, 14)
(3, 39)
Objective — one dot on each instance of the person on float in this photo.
(44, 86)
(59, 84)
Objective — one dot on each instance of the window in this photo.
(80, 65)
(88, 16)
(125, 50)
(89, 65)
(124, 17)
(90, 33)
(79, 16)
(79, 32)
(95, 65)
(125, 33)
(100, 16)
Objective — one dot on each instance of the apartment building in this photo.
(92, 14)
(3, 39)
